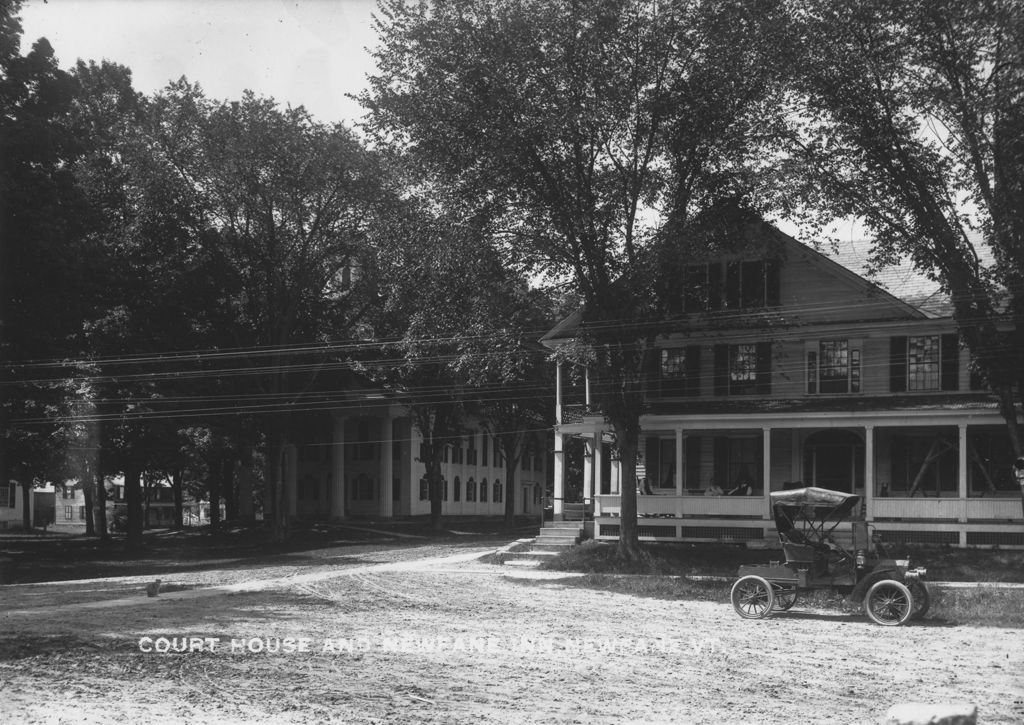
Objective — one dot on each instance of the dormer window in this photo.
(733, 285)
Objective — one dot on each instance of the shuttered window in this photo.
(923, 363)
(834, 366)
(743, 369)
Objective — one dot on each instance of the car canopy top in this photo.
(814, 506)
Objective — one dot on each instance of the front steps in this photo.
(554, 538)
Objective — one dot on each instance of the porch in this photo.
(934, 480)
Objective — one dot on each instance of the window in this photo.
(737, 463)
(471, 490)
(69, 513)
(661, 462)
(81, 513)
(66, 492)
(483, 491)
(484, 457)
(924, 363)
(457, 452)
(743, 369)
(732, 285)
(458, 489)
(497, 491)
(444, 493)
(424, 489)
(833, 366)
(7, 496)
(471, 451)
(678, 372)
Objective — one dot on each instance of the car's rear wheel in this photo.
(752, 597)
(889, 603)
(785, 598)
(922, 598)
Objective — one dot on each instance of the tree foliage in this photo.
(592, 128)
(910, 118)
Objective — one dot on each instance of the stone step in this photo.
(524, 563)
(551, 548)
(557, 540)
(532, 554)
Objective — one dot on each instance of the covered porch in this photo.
(925, 477)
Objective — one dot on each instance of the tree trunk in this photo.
(26, 504)
(510, 490)
(231, 491)
(100, 504)
(215, 485)
(133, 503)
(179, 499)
(435, 484)
(275, 502)
(627, 437)
(87, 488)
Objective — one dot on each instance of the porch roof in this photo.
(845, 404)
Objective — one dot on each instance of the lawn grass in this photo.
(942, 563)
(40, 557)
(663, 571)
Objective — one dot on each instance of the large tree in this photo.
(910, 117)
(595, 126)
(283, 203)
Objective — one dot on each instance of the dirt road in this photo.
(438, 639)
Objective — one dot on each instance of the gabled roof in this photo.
(903, 292)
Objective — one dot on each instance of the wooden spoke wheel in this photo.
(889, 603)
(752, 597)
(922, 598)
(785, 598)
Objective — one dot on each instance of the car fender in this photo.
(885, 570)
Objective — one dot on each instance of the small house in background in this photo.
(783, 368)
(12, 505)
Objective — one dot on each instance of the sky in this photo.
(300, 52)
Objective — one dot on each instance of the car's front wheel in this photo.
(889, 603)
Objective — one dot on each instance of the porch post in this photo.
(338, 470)
(680, 468)
(869, 472)
(588, 467)
(962, 479)
(558, 398)
(586, 383)
(387, 483)
(291, 477)
(559, 474)
(680, 460)
(766, 472)
(599, 464)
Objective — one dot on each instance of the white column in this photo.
(291, 470)
(599, 463)
(680, 469)
(386, 468)
(559, 475)
(586, 382)
(962, 478)
(680, 460)
(558, 395)
(869, 472)
(588, 467)
(766, 469)
(338, 470)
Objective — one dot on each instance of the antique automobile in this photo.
(807, 520)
